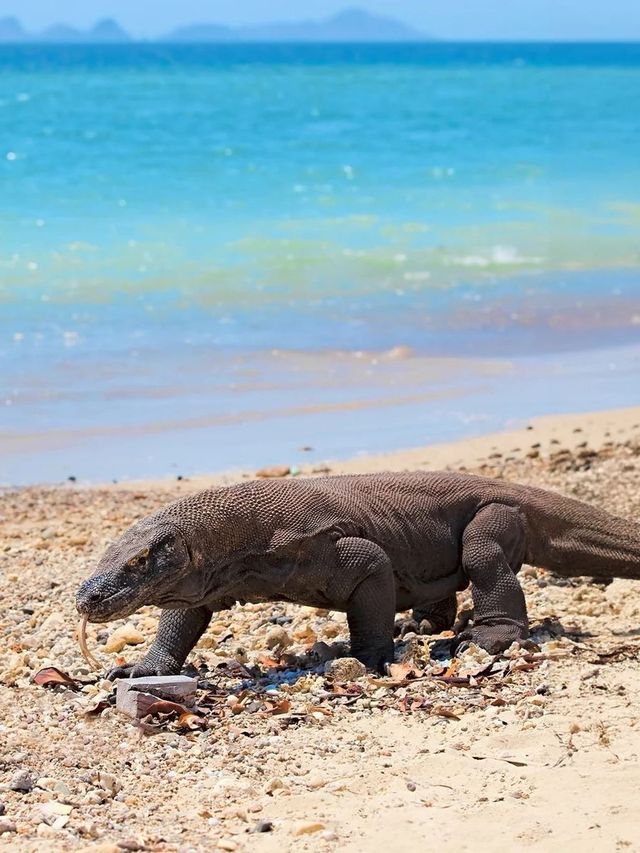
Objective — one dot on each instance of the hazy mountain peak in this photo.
(353, 24)
(11, 30)
(108, 30)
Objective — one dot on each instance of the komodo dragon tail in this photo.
(573, 538)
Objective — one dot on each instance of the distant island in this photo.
(351, 25)
(103, 32)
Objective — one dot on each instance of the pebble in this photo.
(345, 669)
(329, 835)
(277, 638)
(307, 828)
(7, 826)
(107, 782)
(275, 472)
(126, 635)
(263, 826)
(56, 786)
(22, 781)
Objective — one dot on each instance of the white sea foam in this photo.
(498, 256)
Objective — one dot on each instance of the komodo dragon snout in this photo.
(143, 567)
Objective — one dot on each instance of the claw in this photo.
(461, 647)
(405, 626)
(124, 671)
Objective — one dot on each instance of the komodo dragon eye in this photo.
(139, 561)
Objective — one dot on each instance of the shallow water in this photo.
(171, 215)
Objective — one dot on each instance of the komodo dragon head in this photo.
(149, 564)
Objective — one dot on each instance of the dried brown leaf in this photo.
(163, 706)
(52, 676)
(319, 709)
(445, 712)
(402, 671)
(281, 707)
(191, 721)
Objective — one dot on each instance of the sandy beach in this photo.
(540, 754)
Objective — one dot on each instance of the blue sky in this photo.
(500, 19)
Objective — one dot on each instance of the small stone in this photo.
(2, 809)
(7, 826)
(126, 635)
(22, 781)
(263, 826)
(227, 844)
(92, 798)
(320, 653)
(411, 786)
(108, 783)
(53, 808)
(307, 828)
(134, 696)
(345, 669)
(275, 472)
(277, 638)
(56, 786)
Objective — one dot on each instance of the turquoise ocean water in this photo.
(211, 256)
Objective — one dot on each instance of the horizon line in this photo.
(427, 40)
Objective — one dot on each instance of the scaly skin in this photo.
(370, 545)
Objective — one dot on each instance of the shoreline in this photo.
(552, 433)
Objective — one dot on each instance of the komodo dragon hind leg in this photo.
(493, 550)
(178, 632)
(369, 591)
(431, 618)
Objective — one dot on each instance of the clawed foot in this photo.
(492, 638)
(144, 669)
(375, 658)
(403, 627)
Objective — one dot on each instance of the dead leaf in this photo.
(453, 668)
(163, 706)
(50, 676)
(319, 709)
(281, 707)
(445, 712)
(98, 706)
(191, 721)
(268, 662)
(402, 671)
(522, 666)
(513, 761)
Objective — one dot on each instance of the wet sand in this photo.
(542, 755)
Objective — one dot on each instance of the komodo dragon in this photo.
(370, 545)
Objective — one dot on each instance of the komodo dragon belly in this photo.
(305, 573)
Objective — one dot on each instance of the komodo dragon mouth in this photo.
(104, 608)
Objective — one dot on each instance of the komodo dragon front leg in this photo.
(364, 585)
(178, 632)
(493, 550)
